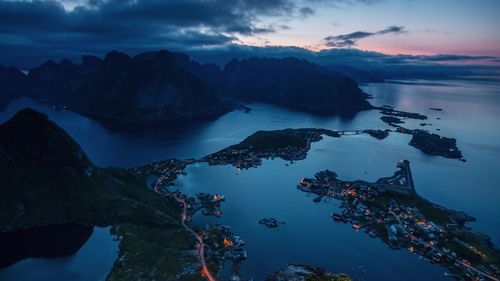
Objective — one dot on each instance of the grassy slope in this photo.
(153, 244)
(106, 197)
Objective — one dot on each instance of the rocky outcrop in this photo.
(300, 272)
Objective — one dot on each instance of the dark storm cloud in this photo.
(100, 17)
(349, 40)
(34, 30)
(47, 29)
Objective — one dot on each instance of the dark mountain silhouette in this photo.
(164, 86)
(46, 178)
(149, 87)
(293, 83)
(13, 84)
(32, 144)
(209, 72)
(58, 82)
(54, 79)
(360, 76)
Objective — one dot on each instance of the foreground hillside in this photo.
(49, 186)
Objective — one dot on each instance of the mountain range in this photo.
(164, 86)
(293, 83)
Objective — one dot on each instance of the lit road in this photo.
(201, 249)
(478, 271)
(490, 277)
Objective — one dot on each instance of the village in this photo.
(246, 158)
(216, 245)
(288, 144)
(391, 210)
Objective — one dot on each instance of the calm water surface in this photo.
(92, 262)
(471, 113)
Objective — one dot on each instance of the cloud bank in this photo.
(54, 28)
(350, 40)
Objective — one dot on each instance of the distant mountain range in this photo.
(293, 83)
(164, 86)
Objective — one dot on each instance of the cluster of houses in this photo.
(245, 158)
(397, 221)
(225, 246)
(239, 158)
(210, 204)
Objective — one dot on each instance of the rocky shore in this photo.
(300, 272)
(435, 144)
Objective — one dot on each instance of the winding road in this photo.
(201, 249)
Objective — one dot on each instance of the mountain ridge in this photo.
(294, 83)
(163, 86)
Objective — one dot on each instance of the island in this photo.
(432, 144)
(435, 144)
(301, 272)
(378, 134)
(390, 111)
(270, 222)
(287, 144)
(391, 209)
(293, 145)
(392, 117)
(391, 120)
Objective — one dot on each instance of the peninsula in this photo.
(391, 209)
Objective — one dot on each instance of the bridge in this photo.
(351, 132)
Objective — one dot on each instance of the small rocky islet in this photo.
(270, 222)
(301, 272)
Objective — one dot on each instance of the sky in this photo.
(32, 31)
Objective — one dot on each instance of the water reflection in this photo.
(46, 241)
(57, 253)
